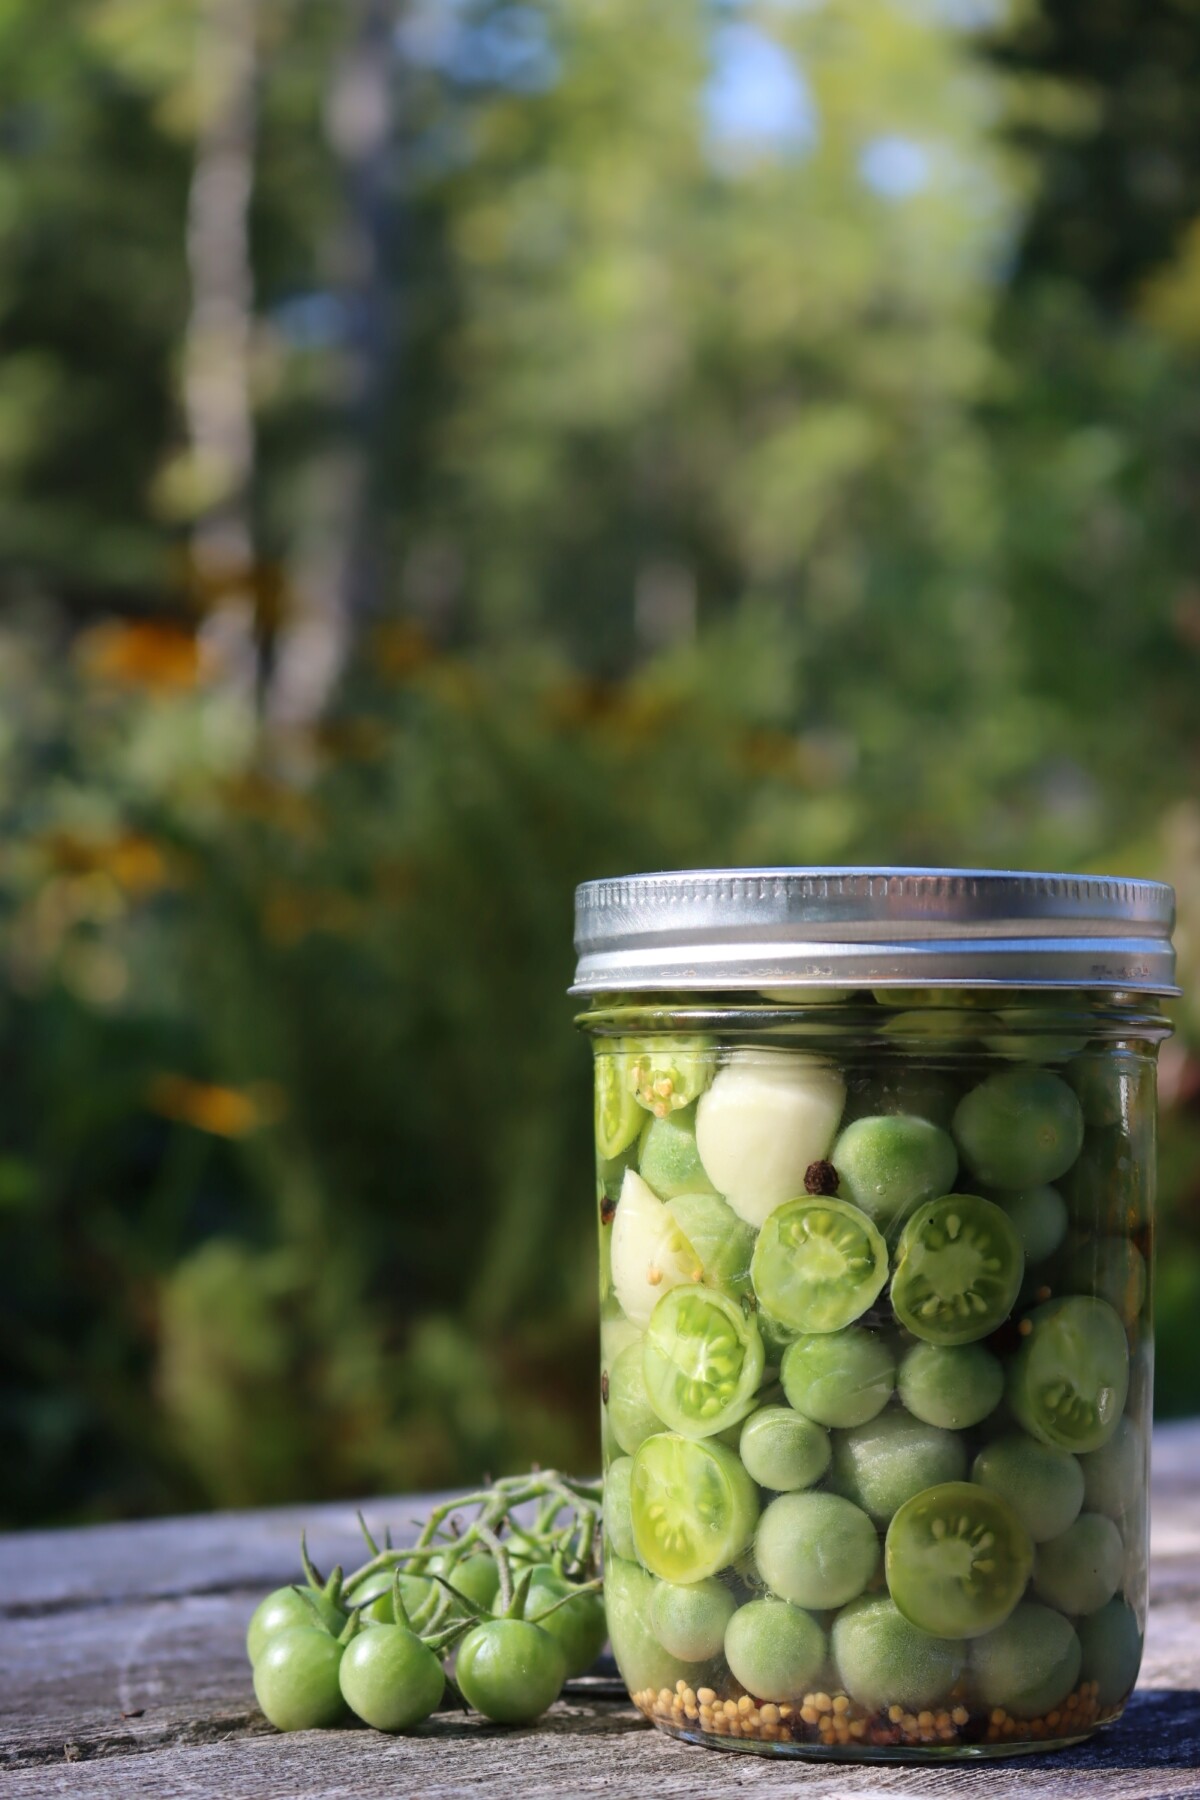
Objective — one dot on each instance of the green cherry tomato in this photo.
(619, 1118)
(689, 1618)
(642, 1660)
(390, 1679)
(631, 1417)
(957, 1559)
(774, 1649)
(958, 1270)
(883, 1660)
(1039, 1215)
(668, 1159)
(952, 1385)
(694, 1508)
(818, 1264)
(618, 1517)
(296, 1679)
(421, 1598)
(888, 1165)
(475, 1576)
(882, 1464)
(1068, 1381)
(783, 1450)
(702, 1361)
(1112, 1650)
(1080, 1571)
(1043, 1485)
(579, 1626)
(510, 1670)
(1028, 1665)
(1020, 1129)
(284, 1608)
(839, 1378)
(1113, 1476)
(816, 1550)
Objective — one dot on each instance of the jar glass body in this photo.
(877, 1363)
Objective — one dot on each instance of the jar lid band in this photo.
(712, 929)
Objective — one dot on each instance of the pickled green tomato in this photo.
(888, 1165)
(883, 1660)
(689, 1618)
(619, 1118)
(1112, 1268)
(668, 1158)
(618, 1518)
(816, 1550)
(882, 1464)
(1068, 1380)
(1114, 1476)
(702, 1361)
(1043, 1485)
(723, 1243)
(1028, 1665)
(1020, 1129)
(642, 1660)
(957, 1559)
(839, 1378)
(782, 1450)
(631, 1417)
(774, 1649)
(762, 1123)
(1080, 1571)
(951, 1385)
(1039, 1215)
(1112, 1650)
(693, 1506)
(667, 1073)
(959, 1265)
(818, 1264)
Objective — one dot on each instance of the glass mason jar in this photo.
(875, 1172)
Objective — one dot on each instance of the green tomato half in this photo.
(702, 1361)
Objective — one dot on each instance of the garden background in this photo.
(450, 448)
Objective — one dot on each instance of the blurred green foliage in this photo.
(659, 461)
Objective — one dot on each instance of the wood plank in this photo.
(148, 1621)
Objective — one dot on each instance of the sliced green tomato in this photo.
(1068, 1381)
(958, 1269)
(957, 1559)
(702, 1361)
(694, 1508)
(667, 1073)
(818, 1264)
(650, 1254)
(619, 1118)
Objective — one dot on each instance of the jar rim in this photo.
(707, 930)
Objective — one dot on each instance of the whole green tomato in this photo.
(296, 1679)
(510, 1670)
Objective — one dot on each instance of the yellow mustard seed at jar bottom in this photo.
(828, 1722)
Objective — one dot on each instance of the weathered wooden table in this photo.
(124, 1674)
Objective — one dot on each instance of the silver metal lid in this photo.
(705, 929)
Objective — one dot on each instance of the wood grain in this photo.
(122, 1672)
